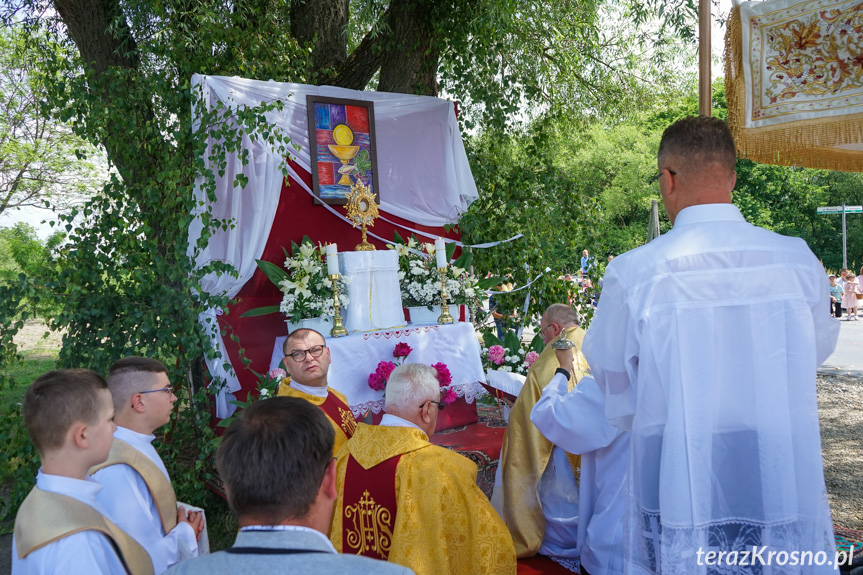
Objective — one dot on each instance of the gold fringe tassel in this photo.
(805, 143)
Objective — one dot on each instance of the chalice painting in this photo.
(342, 144)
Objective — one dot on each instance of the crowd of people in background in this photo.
(845, 294)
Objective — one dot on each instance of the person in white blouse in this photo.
(137, 491)
(705, 346)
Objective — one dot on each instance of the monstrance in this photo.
(362, 211)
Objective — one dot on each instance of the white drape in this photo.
(423, 172)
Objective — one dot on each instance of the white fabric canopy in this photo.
(423, 176)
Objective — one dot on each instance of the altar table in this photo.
(355, 356)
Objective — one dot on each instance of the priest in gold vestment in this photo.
(307, 359)
(406, 500)
(539, 481)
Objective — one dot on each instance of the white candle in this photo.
(440, 252)
(332, 260)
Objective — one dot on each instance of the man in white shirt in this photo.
(575, 421)
(705, 345)
(137, 491)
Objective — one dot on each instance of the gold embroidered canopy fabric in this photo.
(794, 82)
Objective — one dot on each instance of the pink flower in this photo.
(448, 396)
(278, 374)
(531, 357)
(496, 353)
(402, 350)
(378, 379)
(443, 375)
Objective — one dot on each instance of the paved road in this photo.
(847, 359)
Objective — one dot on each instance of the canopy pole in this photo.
(704, 53)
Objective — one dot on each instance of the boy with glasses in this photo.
(307, 360)
(137, 491)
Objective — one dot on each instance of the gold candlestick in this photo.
(338, 329)
(445, 317)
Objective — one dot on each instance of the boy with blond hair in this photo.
(60, 527)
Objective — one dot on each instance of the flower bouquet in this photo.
(307, 291)
(419, 279)
(378, 379)
(510, 355)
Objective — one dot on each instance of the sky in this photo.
(37, 217)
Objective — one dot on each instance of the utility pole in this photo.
(843, 209)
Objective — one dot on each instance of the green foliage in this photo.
(523, 190)
(43, 162)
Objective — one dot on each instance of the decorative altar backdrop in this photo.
(794, 82)
(425, 183)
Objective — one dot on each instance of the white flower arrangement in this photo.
(307, 289)
(420, 280)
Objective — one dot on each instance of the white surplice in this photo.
(705, 344)
(575, 421)
(129, 504)
(82, 553)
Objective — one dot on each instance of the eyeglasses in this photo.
(657, 175)
(167, 390)
(440, 404)
(300, 354)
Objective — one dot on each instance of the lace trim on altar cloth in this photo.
(573, 565)
(399, 333)
(469, 391)
(795, 547)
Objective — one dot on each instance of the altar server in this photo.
(705, 345)
(307, 359)
(406, 500)
(61, 527)
(575, 420)
(538, 480)
(136, 488)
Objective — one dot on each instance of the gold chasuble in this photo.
(335, 406)
(160, 488)
(45, 517)
(525, 452)
(403, 499)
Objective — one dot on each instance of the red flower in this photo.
(444, 377)
(402, 350)
(448, 396)
(378, 379)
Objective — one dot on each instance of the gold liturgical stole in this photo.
(159, 486)
(45, 517)
(334, 406)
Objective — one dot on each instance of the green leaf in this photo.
(267, 309)
(272, 271)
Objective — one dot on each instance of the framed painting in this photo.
(342, 146)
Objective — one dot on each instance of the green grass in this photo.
(20, 374)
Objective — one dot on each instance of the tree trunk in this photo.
(410, 66)
(88, 22)
(322, 24)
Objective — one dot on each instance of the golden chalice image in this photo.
(344, 151)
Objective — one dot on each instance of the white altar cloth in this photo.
(356, 356)
(505, 381)
(375, 297)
